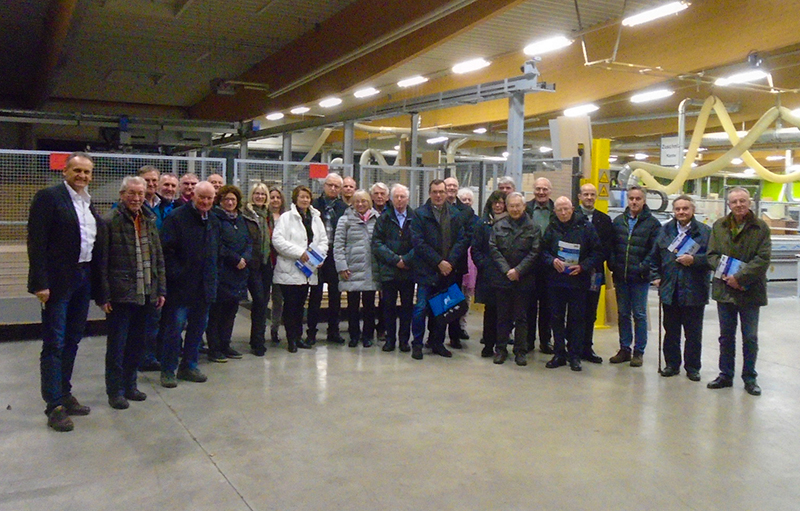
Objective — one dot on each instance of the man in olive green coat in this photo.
(739, 252)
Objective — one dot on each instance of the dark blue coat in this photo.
(390, 243)
(691, 282)
(426, 236)
(577, 230)
(488, 271)
(235, 245)
(191, 254)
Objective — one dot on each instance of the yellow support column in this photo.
(601, 150)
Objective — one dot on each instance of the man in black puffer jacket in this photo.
(570, 251)
(635, 233)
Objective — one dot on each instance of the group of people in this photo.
(172, 260)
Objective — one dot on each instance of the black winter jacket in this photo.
(579, 231)
(488, 270)
(426, 237)
(235, 245)
(631, 248)
(515, 244)
(390, 243)
(691, 282)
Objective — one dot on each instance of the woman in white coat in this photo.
(352, 251)
(298, 229)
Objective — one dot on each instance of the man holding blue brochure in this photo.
(679, 268)
(739, 252)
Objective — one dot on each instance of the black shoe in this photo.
(73, 407)
(304, 345)
(135, 395)
(353, 342)
(367, 343)
(456, 344)
(217, 356)
(670, 371)
(556, 361)
(520, 359)
(720, 383)
(442, 351)
(118, 402)
(500, 356)
(291, 346)
(592, 357)
(310, 341)
(487, 351)
(463, 335)
(575, 364)
(59, 420)
(232, 353)
(275, 338)
(547, 349)
(150, 365)
(259, 351)
(693, 375)
(335, 339)
(752, 388)
(404, 347)
(416, 352)
(389, 346)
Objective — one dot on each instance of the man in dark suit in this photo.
(605, 230)
(64, 257)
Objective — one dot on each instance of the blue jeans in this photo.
(421, 311)
(728, 318)
(127, 339)
(63, 321)
(632, 301)
(195, 318)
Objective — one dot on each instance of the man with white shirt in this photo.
(64, 256)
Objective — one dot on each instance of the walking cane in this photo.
(659, 333)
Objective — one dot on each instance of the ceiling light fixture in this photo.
(653, 14)
(437, 140)
(547, 45)
(275, 116)
(545, 149)
(640, 156)
(479, 131)
(652, 95)
(612, 158)
(581, 110)
(365, 93)
(330, 102)
(775, 157)
(300, 110)
(744, 77)
(505, 154)
(470, 65)
(414, 80)
(737, 161)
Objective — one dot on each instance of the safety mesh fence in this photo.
(284, 175)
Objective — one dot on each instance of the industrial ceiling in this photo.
(172, 58)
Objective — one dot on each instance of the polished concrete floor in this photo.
(344, 428)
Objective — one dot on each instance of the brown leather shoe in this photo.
(622, 355)
(73, 407)
(59, 420)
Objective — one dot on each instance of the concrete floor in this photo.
(344, 428)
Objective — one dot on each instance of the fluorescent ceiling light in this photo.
(612, 158)
(640, 156)
(545, 149)
(547, 45)
(275, 116)
(652, 14)
(744, 77)
(437, 140)
(414, 80)
(299, 110)
(652, 95)
(470, 65)
(389, 152)
(737, 161)
(581, 110)
(775, 157)
(505, 154)
(721, 135)
(365, 93)
(479, 131)
(749, 172)
(330, 102)
(796, 111)
(397, 148)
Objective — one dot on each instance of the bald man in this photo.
(190, 239)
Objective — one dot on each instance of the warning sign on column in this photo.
(603, 191)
